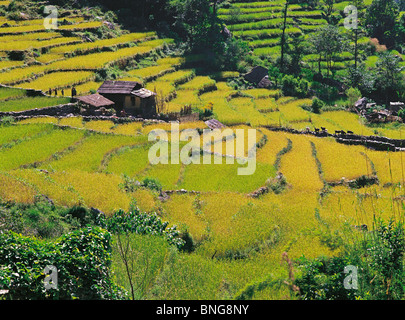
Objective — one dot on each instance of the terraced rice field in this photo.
(78, 162)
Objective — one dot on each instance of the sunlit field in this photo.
(304, 188)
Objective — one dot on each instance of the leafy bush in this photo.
(152, 184)
(378, 257)
(139, 222)
(295, 87)
(82, 259)
(353, 94)
(317, 105)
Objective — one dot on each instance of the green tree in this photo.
(328, 42)
(389, 77)
(283, 40)
(381, 19)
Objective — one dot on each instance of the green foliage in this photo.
(295, 87)
(130, 184)
(6, 121)
(42, 219)
(317, 105)
(327, 42)
(389, 78)
(381, 19)
(138, 222)
(82, 258)
(353, 94)
(377, 255)
(152, 184)
(137, 262)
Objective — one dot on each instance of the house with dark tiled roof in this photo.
(130, 97)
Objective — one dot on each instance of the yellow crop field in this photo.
(58, 80)
(100, 125)
(50, 57)
(307, 196)
(14, 190)
(180, 211)
(340, 161)
(95, 189)
(87, 87)
(6, 64)
(124, 39)
(390, 166)
(130, 129)
(299, 166)
(20, 74)
(151, 72)
(199, 84)
(262, 93)
(74, 122)
(97, 60)
(275, 143)
(27, 44)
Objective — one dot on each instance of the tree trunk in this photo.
(283, 37)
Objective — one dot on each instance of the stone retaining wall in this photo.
(371, 142)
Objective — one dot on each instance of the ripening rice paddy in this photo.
(238, 236)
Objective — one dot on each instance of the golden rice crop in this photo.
(100, 125)
(97, 60)
(50, 57)
(266, 105)
(299, 166)
(58, 80)
(238, 132)
(19, 74)
(87, 87)
(183, 98)
(292, 112)
(30, 36)
(173, 61)
(40, 27)
(83, 47)
(130, 129)
(219, 208)
(199, 84)
(129, 161)
(14, 190)
(27, 44)
(275, 143)
(38, 149)
(390, 166)
(96, 190)
(43, 183)
(221, 108)
(163, 89)
(178, 77)
(341, 161)
(89, 155)
(7, 64)
(245, 107)
(145, 200)
(347, 121)
(151, 72)
(81, 26)
(179, 210)
(21, 132)
(74, 122)
(39, 120)
(262, 93)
